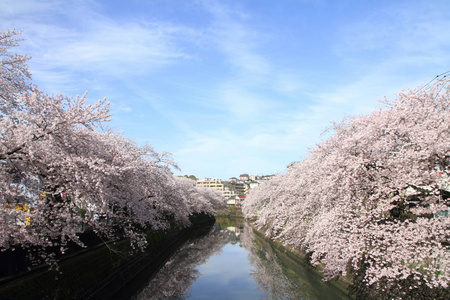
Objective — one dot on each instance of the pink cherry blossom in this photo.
(375, 192)
(59, 171)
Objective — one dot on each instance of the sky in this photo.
(231, 87)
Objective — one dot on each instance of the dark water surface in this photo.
(233, 262)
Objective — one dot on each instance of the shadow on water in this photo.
(270, 271)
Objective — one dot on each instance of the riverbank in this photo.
(343, 283)
(99, 272)
(353, 286)
(226, 218)
(231, 212)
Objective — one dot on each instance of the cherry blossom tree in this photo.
(59, 169)
(199, 199)
(373, 197)
(14, 72)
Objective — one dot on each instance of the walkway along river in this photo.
(232, 261)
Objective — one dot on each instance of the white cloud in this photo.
(111, 48)
(92, 44)
(228, 104)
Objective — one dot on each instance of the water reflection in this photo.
(232, 262)
(174, 280)
(282, 275)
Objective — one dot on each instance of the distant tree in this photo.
(199, 199)
(192, 177)
(372, 198)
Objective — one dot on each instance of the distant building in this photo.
(231, 202)
(239, 200)
(265, 177)
(229, 189)
(253, 184)
(244, 177)
(234, 186)
(213, 183)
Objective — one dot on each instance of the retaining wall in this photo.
(100, 272)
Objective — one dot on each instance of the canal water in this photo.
(231, 261)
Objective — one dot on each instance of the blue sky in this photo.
(231, 87)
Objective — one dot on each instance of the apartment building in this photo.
(229, 189)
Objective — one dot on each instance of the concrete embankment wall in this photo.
(100, 272)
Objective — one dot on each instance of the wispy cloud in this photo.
(111, 48)
(89, 43)
(207, 81)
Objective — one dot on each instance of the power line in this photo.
(438, 77)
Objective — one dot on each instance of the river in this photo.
(231, 261)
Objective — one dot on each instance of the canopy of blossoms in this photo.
(373, 197)
(58, 170)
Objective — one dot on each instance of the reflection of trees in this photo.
(268, 273)
(281, 276)
(234, 225)
(174, 280)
